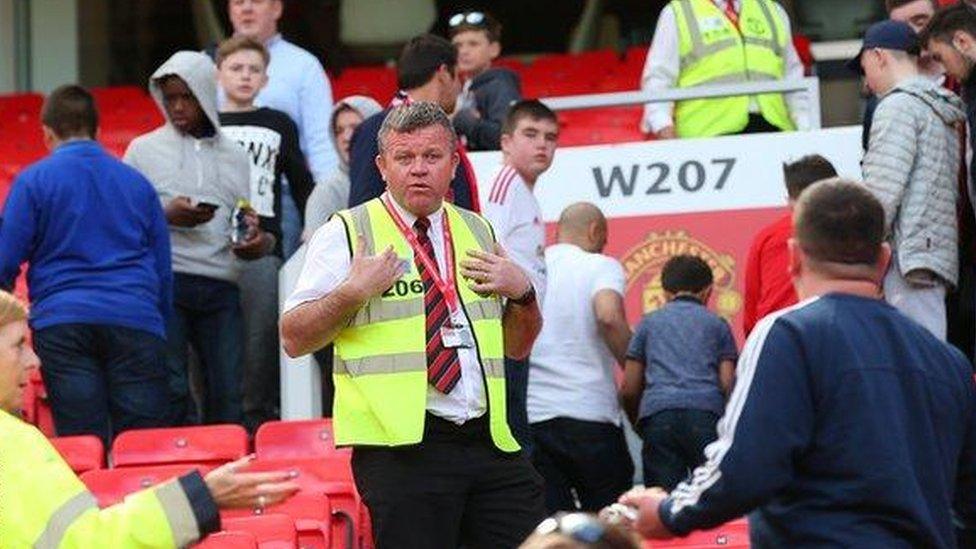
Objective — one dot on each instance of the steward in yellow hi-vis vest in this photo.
(380, 370)
(43, 504)
(423, 307)
(719, 46)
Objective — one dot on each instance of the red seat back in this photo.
(312, 514)
(272, 531)
(228, 540)
(83, 453)
(731, 535)
(295, 439)
(207, 444)
(111, 486)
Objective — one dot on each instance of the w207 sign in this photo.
(663, 178)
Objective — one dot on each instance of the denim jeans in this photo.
(517, 394)
(207, 316)
(674, 444)
(102, 379)
(587, 457)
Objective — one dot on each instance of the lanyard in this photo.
(730, 11)
(445, 285)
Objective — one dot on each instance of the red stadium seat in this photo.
(378, 82)
(732, 535)
(111, 486)
(83, 453)
(228, 540)
(330, 475)
(40, 409)
(21, 140)
(125, 112)
(312, 514)
(272, 531)
(205, 444)
(295, 439)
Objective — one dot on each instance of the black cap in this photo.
(887, 35)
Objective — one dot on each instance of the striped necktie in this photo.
(443, 364)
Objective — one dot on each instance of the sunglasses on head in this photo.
(475, 18)
(578, 526)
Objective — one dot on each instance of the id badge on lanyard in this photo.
(453, 336)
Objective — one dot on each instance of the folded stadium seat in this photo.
(330, 475)
(271, 531)
(312, 514)
(228, 540)
(125, 112)
(295, 439)
(21, 139)
(202, 444)
(635, 56)
(731, 535)
(378, 82)
(804, 50)
(513, 63)
(83, 453)
(110, 486)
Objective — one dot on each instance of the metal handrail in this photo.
(810, 85)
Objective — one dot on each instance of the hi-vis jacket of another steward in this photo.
(43, 504)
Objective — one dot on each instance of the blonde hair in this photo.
(11, 309)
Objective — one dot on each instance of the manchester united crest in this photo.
(643, 264)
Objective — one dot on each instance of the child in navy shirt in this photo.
(679, 371)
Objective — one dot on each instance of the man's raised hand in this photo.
(370, 275)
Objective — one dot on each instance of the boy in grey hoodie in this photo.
(200, 175)
(911, 165)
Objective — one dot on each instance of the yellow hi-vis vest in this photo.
(380, 368)
(43, 503)
(713, 51)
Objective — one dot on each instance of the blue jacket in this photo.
(365, 181)
(95, 236)
(849, 426)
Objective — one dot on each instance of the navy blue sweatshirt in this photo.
(849, 426)
(95, 236)
(365, 181)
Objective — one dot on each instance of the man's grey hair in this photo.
(412, 117)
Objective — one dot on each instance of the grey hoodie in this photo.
(212, 169)
(332, 195)
(912, 167)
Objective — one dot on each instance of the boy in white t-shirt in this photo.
(529, 137)
(574, 412)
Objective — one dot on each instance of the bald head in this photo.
(584, 225)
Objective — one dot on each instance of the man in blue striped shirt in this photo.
(850, 425)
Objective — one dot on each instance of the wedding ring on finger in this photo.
(262, 500)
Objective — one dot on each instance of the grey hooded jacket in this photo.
(212, 169)
(912, 167)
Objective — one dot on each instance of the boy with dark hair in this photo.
(96, 241)
(529, 138)
(488, 91)
(679, 371)
(768, 284)
(426, 71)
(201, 176)
(270, 139)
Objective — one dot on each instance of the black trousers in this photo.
(453, 489)
(758, 124)
(588, 457)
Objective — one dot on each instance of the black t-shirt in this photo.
(270, 139)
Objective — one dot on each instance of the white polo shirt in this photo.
(327, 264)
(514, 213)
(571, 367)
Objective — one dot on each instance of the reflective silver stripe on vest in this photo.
(483, 310)
(363, 228)
(699, 50)
(179, 513)
(62, 519)
(380, 310)
(494, 367)
(382, 364)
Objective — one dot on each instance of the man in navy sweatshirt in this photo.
(850, 425)
(100, 281)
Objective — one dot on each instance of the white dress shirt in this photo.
(327, 264)
(663, 65)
